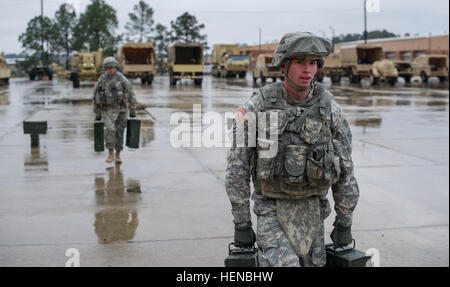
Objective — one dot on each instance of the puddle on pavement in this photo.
(117, 219)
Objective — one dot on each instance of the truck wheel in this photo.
(150, 79)
(375, 80)
(392, 81)
(76, 83)
(198, 82)
(424, 77)
(407, 79)
(242, 74)
(142, 81)
(172, 81)
(254, 78)
(336, 78)
(442, 79)
(263, 79)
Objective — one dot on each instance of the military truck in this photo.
(264, 69)
(5, 72)
(136, 60)
(40, 72)
(86, 66)
(384, 70)
(357, 60)
(332, 68)
(404, 69)
(427, 66)
(227, 61)
(185, 62)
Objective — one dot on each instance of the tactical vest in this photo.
(305, 164)
(112, 91)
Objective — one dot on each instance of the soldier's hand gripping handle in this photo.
(98, 117)
(244, 236)
(341, 235)
(132, 114)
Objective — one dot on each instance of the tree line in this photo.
(48, 39)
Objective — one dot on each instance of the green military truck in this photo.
(227, 61)
(185, 62)
(264, 69)
(357, 60)
(427, 66)
(86, 66)
(5, 72)
(136, 60)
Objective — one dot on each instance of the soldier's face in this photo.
(110, 70)
(301, 71)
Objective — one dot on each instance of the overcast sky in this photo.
(237, 21)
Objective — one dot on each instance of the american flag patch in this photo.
(242, 116)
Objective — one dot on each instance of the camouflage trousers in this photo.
(115, 122)
(275, 250)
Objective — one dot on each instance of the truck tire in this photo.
(442, 79)
(242, 74)
(375, 80)
(392, 81)
(172, 81)
(149, 79)
(143, 81)
(336, 78)
(424, 77)
(198, 82)
(407, 79)
(263, 79)
(76, 83)
(254, 78)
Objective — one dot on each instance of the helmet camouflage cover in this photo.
(110, 62)
(301, 45)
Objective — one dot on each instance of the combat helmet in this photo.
(300, 45)
(110, 62)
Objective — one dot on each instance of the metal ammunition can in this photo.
(241, 257)
(99, 141)
(133, 133)
(345, 257)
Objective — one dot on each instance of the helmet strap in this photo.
(286, 78)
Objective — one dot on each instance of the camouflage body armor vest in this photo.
(305, 164)
(111, 91)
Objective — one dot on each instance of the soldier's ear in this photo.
(283, 66)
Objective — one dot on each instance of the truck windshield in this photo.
(238, 58)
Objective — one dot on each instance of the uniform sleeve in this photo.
(239, 166)
(97, 99)
(130, 94)
(345, 190)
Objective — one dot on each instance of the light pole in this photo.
(259, 51)
(332, 39)
(365, 23)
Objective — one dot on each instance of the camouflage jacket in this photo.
(239, 171)
(113, 91)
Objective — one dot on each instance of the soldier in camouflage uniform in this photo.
(112, 93)
(313, 141)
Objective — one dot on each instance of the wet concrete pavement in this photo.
(167, 206)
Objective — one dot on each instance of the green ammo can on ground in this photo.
(133, 133)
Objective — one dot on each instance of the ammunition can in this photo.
(133, 133)
(99, 141)
(345, 257)
(241, 257)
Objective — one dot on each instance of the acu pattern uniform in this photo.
(111, 95)
(314, 153)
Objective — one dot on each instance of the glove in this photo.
(132, 114)
(341, 235)
(244, 236)
(98, 117)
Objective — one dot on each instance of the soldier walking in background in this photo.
(113, 92)
(313, 154)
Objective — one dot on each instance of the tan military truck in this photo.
(86, 66)
(185, 62)
(332, 68)
(404, 69)
(5, 72)
(227, 61)
(384, 70)
(357, 60)
(136, 60)
(427, 66)
(264, 69)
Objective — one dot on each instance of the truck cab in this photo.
(427, 66)
(264, 69)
